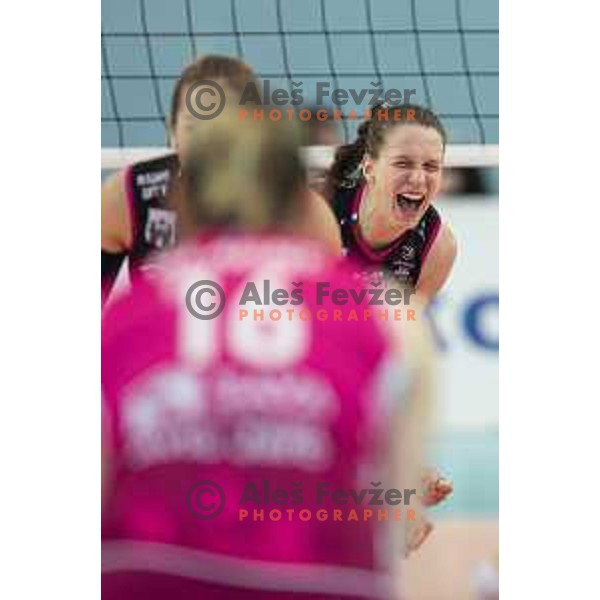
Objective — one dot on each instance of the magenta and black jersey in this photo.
(403, 258)
(153, 221)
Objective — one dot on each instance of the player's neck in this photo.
(377, 228)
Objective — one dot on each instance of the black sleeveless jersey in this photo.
(153, 221)
(403, 258)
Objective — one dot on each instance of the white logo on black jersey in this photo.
(407, 253)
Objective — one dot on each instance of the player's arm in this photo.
(320, 224)
(438, 264)
(411, 425)
(116, 229)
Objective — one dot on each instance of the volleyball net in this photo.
(444, 50)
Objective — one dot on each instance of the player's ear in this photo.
(368, 168)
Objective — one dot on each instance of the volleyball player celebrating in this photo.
(382, 187)
(138, 219)
(198, 409)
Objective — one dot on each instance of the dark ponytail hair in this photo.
(345, 171)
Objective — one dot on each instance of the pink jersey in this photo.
(223, 430)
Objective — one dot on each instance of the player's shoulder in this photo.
(448, 239)
(444, 242)
(123, 182)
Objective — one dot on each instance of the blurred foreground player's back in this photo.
(233, 410)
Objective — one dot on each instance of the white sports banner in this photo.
(465, 318)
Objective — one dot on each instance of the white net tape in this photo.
(459, 155)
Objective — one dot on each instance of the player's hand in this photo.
(418, 532)
(435, 489)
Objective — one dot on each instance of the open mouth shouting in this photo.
(410, 203)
